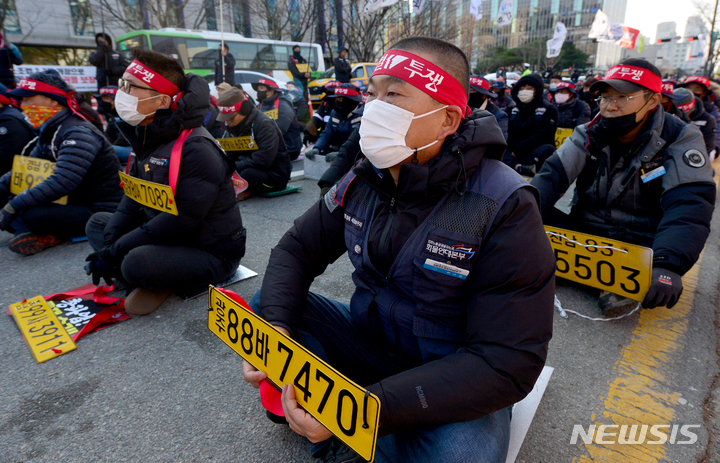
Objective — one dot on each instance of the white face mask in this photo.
(126, 107)
(553, 86)
(561, 98)
(525, 96)
(383, 130)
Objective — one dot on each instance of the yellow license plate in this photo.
(626, 269)
(272, 114)
(342, 406)
(238, 144)
(561, 135)
(149, 194)
(41, 329)
(28, 172)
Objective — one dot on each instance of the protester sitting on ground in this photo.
(211, 122)
(282, 111)
(247, 95)
(590, 97)
(106, 107)
(154, 252)
(85, 170)
(550, 92)
(266, 165)
(503, 100)
(300, 105)
(668, 103)
(346, 157)
(692, 107)
(452, 309)
(531, 128)
(345, 117)
(571, 111)
(480, 98)
(15, 130)
(9, 56)
(700, 86)
(642, 176)
(321, 116)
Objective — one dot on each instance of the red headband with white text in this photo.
(687, 107)
(231, 109)
(152, 78)
(423, 75)
(636, 75)
(41, 87)
(478, 82)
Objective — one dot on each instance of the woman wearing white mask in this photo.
(167, 239)
(571, 111)
(531, 130)
(447, 307)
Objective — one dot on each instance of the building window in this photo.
(11, 23)
(81, 17)
(241, 17)
(210, 17)
(134, 13)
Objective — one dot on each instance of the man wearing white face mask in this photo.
(450, 320)
(571, 111)
(176, 241)
(531, 130)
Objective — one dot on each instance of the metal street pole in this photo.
(711, 51)
(222, 43)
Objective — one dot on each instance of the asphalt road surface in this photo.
(163, 388)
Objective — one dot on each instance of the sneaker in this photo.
(143, 301)
(29, 243)
(337, 452)
(243, 196)
(612, 305)
(525, 171)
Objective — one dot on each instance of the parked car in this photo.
(510, 78)
(361, 73)
(246, 78)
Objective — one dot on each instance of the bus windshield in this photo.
(200, 53)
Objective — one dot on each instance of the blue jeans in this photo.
(327, 330)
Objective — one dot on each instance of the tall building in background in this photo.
(608, 53)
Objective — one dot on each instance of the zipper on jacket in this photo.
(386, 231)
(393, 323)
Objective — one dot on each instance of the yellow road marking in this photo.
(640, 393)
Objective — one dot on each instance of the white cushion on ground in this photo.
(524, 412)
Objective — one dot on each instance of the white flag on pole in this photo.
(600, 25)
(476, 9)
(373, 5)
(554, 45)
(505, 14)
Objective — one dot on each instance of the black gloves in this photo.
(98, 268)
(665, 289)
(310, 154)
(330, 156)
(7, 215)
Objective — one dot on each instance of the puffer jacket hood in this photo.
(189, 113)
(531, 79)
(478, 136)
(698, 111)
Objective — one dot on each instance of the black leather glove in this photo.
(330, 156)
(98, 268)
(7, 215)
(665, 289)
(310, 154)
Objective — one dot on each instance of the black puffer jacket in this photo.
(270, 156)
(15, 133)
(208, 216)
(706, 123)
(86, 167)
(532, 124)
(287, 120)
(489, 372)
(573, 113)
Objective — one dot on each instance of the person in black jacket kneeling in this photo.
(168, 244)
(84, 180)
(263, 162)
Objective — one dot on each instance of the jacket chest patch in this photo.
(354, 221)
(158, 161)
(440, 247)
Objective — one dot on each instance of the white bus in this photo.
(197, 50)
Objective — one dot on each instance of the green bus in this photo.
(197, 50)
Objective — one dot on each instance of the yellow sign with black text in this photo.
(45, 335)
(561, 135)
(150, 194)
(610, 265)
(238, 144)
(28, 172)
(303, 67)
(272, 114)
(347, 410)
